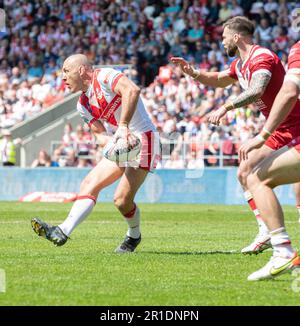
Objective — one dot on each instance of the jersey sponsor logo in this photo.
(112, 107)
(260, 104)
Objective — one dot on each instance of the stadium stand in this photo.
(39, 35)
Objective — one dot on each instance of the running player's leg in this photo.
(129, 184)
(281, 167)
(262, 240)
(101, 176)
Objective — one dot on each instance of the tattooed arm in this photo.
(257, 87)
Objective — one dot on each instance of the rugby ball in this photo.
(120, 152)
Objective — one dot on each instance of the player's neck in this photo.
(244, 50)
(85, 87)
(87, 81)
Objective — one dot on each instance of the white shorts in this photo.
(150, 153)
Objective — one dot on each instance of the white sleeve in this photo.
(108, 78)
(292, 78)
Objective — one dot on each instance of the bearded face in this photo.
(231, 50)
(229, 43)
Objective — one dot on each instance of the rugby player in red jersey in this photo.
(260, 73)
(281, 167)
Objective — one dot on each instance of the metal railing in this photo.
(183, 150)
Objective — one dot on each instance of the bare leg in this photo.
(101, 176)
(104, 174)
(129, 184)
(262, 240)
(281, 167)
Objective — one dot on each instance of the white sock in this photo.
(79, 211)
(281, 243)
(262, 227)
(133, 220)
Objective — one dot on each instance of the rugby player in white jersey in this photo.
(107, 96)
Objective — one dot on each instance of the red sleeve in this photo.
(262, 62)
(231, 71)
(294, 59)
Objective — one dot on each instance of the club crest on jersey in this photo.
(107, 77)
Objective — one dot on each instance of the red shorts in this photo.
(295, 143)
(282, 137)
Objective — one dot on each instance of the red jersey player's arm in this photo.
(257, 87)
(100, 133)
(129, 93)
(208, 78)
(288, 94)
(214, 79)
(284, 102)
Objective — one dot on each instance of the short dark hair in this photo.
(240, 24)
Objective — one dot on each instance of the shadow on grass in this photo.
(209, 252)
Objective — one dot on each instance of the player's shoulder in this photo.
(262, 56)
(260, 52)
(295, 47)
(105, 74)
(295, 50)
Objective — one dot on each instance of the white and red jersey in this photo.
(100, 102)
(260, 60)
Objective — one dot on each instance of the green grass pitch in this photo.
(189, 255)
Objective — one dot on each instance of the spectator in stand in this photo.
(43, 160)
(8, 148)
(40, 35)
(82, 141)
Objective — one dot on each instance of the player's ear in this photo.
(82, 70)
(236, 37)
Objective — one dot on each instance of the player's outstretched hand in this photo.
(216, 117)
(184, 66)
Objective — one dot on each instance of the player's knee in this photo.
(256, 180)
(121, 202)
(85, 184)
(253, 182)
(88, 185)
(242, 175)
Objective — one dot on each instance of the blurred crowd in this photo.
(40, 34)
